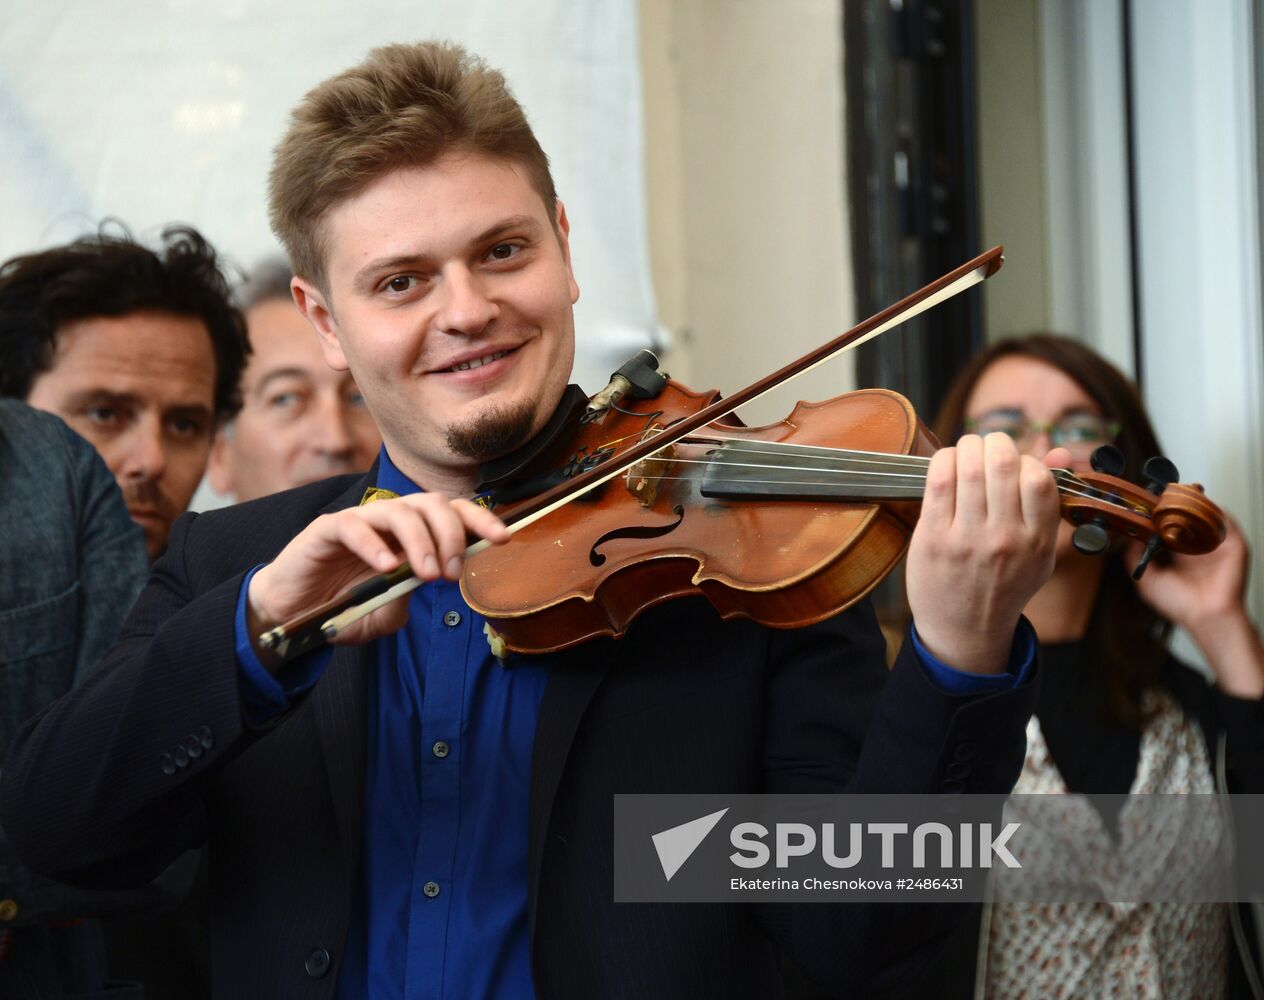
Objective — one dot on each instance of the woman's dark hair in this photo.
(1125, 635)
(110, 274)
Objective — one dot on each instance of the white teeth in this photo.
(478, 362)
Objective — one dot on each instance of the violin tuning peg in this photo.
(1108, 460)
(1158, 472)
(1091, 539)
(1153, 547)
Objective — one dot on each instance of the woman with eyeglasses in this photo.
(1116, 713)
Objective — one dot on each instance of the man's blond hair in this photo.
(404, 106)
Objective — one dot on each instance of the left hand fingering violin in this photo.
(669, 496)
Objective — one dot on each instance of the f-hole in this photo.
(598, 558)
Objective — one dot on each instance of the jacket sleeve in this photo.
(844, 726)
(111, 548)
(104, 787)
(110, 566)
(1243, 722)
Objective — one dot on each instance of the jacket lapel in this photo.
(338, 704)
(574, 677)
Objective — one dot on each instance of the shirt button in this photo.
(317, 963)
(180, 755)
(194, 747)
(440, 749)
(206, 737)
(166, 763)
(452, 619)
(431, 889)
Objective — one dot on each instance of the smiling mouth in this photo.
(465, 366)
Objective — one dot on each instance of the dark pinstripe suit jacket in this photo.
(684, 703)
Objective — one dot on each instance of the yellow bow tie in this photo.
(372, 493)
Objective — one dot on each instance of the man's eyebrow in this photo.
(97, 395)
(197, 411)
(506, 225)
(364, 276)
(363, 280)
(276, 373)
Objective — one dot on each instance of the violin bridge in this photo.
(645, 477)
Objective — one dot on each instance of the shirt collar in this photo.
(390, 478)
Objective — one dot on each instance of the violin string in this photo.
(1062, 476)
(878, 458)
(727, 464)
(841, 478)
(1062, 490)
(871, 457)
(773, 447)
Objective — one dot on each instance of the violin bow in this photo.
(323, 623)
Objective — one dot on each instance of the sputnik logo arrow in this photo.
(676, 845)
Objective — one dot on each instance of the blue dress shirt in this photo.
(441, 910)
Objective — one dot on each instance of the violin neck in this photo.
(761, 470)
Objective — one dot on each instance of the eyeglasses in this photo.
(1079, 433)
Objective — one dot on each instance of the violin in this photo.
(652, 491)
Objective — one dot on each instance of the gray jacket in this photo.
(71, 564)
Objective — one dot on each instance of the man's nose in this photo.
(329, 429)
(144, 457)
(465, 306)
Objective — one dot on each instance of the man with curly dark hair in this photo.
(138, 350)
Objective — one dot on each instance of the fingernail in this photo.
(430, 567)
(454, 567)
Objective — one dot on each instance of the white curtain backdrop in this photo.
(159, 112)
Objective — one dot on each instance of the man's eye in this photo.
(283, 400)
(503, 251)
(185, 427)
(104, 416)
(355, 399)
(400, 283)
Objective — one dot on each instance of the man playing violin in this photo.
(407, 814)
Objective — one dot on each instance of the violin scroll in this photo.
(1180, 519)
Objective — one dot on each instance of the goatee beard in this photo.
(494, 433)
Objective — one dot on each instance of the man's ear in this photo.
(563, 228)
(314, 304)
(219, 469)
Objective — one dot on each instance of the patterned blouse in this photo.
(1108, 949)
